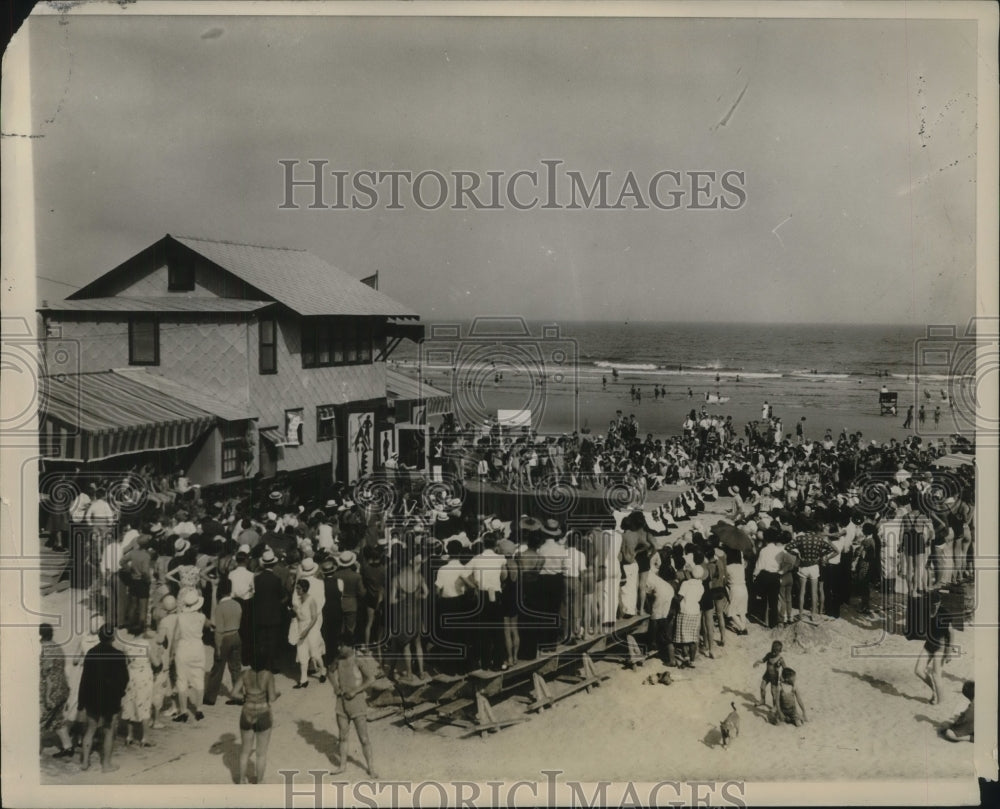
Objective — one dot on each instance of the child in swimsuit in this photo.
(789, 707)
(772, 674)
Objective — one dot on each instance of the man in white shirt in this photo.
(78, 508)
(451, 627)
(890, 536)
(184, 527)
(115, 584)
(663, 596)
(100, 515)
(483, 574)
(241, 577)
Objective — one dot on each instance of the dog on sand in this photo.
(730, 726)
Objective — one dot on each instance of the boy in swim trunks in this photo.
(789, 707)
(351, 675)
(772, 674)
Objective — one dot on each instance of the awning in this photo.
(273, 436)
(404, 329)
(402, 388)
(89, 417)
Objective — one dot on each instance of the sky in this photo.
(856, 140)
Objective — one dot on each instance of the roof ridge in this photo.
(242, 244)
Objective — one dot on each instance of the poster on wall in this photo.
(361, 453)
(386, 444)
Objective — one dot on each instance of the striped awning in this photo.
(273, 436)
(403, 388)
(89, 417)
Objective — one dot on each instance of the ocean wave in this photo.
(819, 375)
(627, 366)
(651, 370)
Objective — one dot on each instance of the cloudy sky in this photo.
(857, 140)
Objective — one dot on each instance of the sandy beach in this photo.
(833, 404)
(869, 717)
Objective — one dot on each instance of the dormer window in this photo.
(180, 275)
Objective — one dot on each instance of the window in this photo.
(325, 429)
(180, 275)
(231, 457)
(143, 342)
(336, 341)
(268, 331)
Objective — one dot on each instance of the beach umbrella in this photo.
(732, 537)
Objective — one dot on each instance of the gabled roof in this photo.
(295, 278)
(298, 279)
(172, 303)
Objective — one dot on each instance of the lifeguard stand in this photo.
(887, 403)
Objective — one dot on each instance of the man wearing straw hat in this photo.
(352, 589)
(267, 609)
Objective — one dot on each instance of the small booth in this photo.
(887, 402)
(414, 404)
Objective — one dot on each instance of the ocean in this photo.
(727, 350)
(563, 373)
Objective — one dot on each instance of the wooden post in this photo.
(543, 698)
(635, 655)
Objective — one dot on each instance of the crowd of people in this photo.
(301, 584)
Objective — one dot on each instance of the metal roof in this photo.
(227, 410)
(298, 279)
(173, 303)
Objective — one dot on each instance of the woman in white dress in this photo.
(306, 635)
(736, 585)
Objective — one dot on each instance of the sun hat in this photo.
(191, 600)
(552, 528)
(268, 557)
(346, 558)
(308, 566)
(181, 545)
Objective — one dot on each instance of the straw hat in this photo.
(190, 599)
(529, 524)
(552, 528)
(268, 557)
(346, 558)
(244, 548)
(327, 566)
(181, 546)
(275, 495)
(308, 566)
